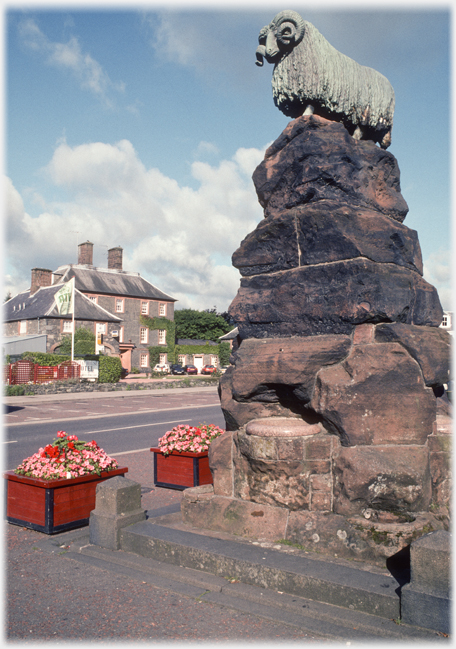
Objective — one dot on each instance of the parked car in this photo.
(208, 369)
(191, 369)
(164, 369)
(177, 369)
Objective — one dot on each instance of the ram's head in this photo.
(283, 33)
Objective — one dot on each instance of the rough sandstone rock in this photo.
(333, 298)
(287, 471)
(337, 329)
(429, 346)
(237, 414)
(221, 464)
(324, 232)
(262, 367)
(315, 159)
(376, 396)
(382, 478)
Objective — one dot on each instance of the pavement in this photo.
(172, 583)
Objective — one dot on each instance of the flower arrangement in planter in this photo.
(54, 490)
(194, 439)
(66, 457)
(181, 458)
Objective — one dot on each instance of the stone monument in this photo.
(337, 420)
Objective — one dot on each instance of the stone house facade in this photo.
(108, 301)
(199, 358)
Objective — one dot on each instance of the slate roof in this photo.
(104, 281)
(42, 305)
(230, 335)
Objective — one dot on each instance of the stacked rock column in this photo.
(339, 330)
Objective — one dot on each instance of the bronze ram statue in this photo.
(311, 76)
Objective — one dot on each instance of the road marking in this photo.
(13, 441)
(117, 414)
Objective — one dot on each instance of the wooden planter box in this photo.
(181, 470)
(52, 506)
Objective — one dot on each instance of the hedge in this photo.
(109, 367)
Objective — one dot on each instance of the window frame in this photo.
(143, 339)
(162, 336)
(67, 326)
(121, 301)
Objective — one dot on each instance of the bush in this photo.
(224, 353)
(14, 390)
(84, 342)
(109, 369)
(46, 360)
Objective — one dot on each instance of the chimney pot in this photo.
(40, 277)
(115, 258)
(85, 254)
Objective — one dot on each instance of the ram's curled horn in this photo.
(290, 27)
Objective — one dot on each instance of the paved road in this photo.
(133, 423)
(19, 410)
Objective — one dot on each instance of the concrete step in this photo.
(317, 618)
(366, 590)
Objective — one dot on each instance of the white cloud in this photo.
(438, 272)
(179, 238)
(69, 56)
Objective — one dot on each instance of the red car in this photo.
(191, 369)
(208, 369)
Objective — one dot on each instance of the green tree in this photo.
(84, 343)
(200, 325)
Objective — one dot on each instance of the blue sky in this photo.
(141, 127)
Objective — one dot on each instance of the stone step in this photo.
(365, 590)
(319, 619)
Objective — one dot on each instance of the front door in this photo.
(198, 362)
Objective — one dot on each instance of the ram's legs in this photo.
(386, 141)
(309, 110)
(358, 133)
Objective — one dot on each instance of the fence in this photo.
(28, 372)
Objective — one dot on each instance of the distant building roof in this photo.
(42, 305)
(230, 335)
(14, 345)
(109, 281)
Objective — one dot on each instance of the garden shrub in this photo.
(44, 359)
(109, 369)
(14, 390)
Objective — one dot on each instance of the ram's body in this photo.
(312, 76)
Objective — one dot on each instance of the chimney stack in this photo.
(40, 277)
(115, 258)
(85, 253)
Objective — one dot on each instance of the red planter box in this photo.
(52, 506)
(181, 470)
